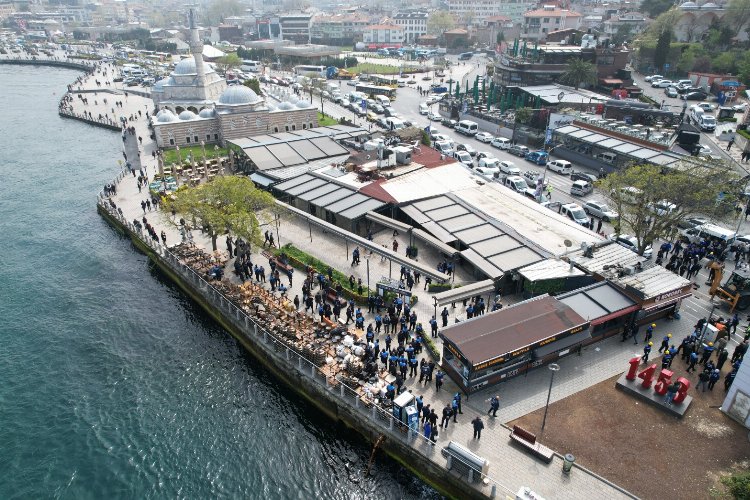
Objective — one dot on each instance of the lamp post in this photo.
(203, 149)
(553, 367)
(179, 156)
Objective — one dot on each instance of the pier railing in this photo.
(274, 346)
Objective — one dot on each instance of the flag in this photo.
(427, 129)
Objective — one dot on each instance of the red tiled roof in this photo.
(375, 190)
(551, 13)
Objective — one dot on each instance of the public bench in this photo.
(527, 440)
(332, 296)
(281, 266)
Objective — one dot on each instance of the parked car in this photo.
(488, 171)
(686, 89)
(631, 243)
(468, 148)
(583, 176)
(444, 147)
(707, 107)
(692, 222)
(601, 210)
(560, 166)
(694, 96)
(538, 157)
(653, 77)
(484, 137)
(389, 112)
(662, 84)
(671, 92)
(424, 108)
(464, 158)
(500, 143)
(574, 212)
(434, 117)
(740, 108)
(518, 150)
(489, 162)
(507, 167)
(532, 177)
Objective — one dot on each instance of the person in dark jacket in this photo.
(478, 426)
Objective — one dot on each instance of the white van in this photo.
(394, 123)
(424, 108)
(383, 100)
(518, 184)
(560, 166)
(607, 157)
(581, 188)
(708, 231)
(575, 213)
(250, 66)
(467, 127)
(444, 147)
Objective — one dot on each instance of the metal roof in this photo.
(502, 332)
(549, 269)
(607, 260)
(463, 292)
(652, 282)
(597, 301)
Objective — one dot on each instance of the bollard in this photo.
(449, 463)
(568, 462)
(493, 491)
(341, 387)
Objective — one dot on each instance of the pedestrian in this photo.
(707, 351)
(427, 430)
(730, 143)
(478, 426)
(649, 333)
(494, 405)
(454, 411)
(703, 378)
(646, 352)
(439, 379)
(728, 380)
(713, 378)
(723, 355)
(665, 343)
(457, 397)
(296, 302)
(446, 416)
(672, 391)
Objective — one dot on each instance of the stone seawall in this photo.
(333, 398)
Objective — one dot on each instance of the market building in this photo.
(495, 346)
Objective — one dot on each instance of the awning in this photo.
(434, 242)
(659, 305)
(464, 292)
(261, 179)
(559, 345)
(388, 222)
(616, 314)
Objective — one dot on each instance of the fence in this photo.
(381, 419)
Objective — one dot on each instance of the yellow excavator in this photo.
(736, 289)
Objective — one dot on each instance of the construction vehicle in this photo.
(736, 289)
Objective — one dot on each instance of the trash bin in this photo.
(568, 462)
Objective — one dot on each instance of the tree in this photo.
(253, 84)
(622, 34)
(228, 62)
(663, 44)
(579, 72)
(500, 38)
(655, 8)
(693, 188)
(738, 14)
(439, 22)
(227, 203)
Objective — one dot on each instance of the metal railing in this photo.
(278, 349)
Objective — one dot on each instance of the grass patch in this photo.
(744, 133)
(170, 155)
(325, 121)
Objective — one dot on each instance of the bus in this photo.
(305, 70)
(250, 66)
(465, 56)
(374, 90)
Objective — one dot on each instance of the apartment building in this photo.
(537, 23)
(383, 34)
(338, 29)
(414, 24)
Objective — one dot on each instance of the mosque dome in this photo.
(187, 115)
(165, 116)
(709, 5)
(159, 86)
(303, 104)
(238, 94)
(207, 113)
(689, 5)
(270, 106)
(285, 106)
(185, 67)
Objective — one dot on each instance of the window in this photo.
(294, 127)
(287, 128)
(187, 139)
(216, 137)
(171, 142)
(196, 139)
(208, 137)
(304, 126)
(276, 129)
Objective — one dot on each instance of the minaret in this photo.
(196, 48)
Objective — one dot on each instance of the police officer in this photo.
(709, 349)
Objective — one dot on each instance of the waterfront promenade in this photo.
(510, 468)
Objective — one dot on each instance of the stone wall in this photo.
(252, 124)
(177, 133)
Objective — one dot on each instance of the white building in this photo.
(537, 23)
(636, 21)
(296, 27)
(383, 34)
(414, 24)
(737, 402)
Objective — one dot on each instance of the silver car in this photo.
(600, 209)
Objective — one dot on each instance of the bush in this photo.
(426, 141)
(430, 346)
(738, 485)
(744, 133)
(439, 287)
(728, 119)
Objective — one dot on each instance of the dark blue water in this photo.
(112, 383)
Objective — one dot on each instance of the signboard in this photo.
(392, 285)
(363, 104)
(557, 120)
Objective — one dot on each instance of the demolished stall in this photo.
(502, 344)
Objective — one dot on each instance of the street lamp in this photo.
(553, 367)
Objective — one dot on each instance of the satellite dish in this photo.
(568, 243)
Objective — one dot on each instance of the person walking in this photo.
(723, 355)
(439, 380)
(494, 405)
(649, 333)
(665, 343)
(454, 410)
(646, 352)
(707, 351)
(713, 378)
(478, 426)
(703, 380)
(446, 416)
(730, 143)
(692, 361)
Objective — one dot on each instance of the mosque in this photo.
(195, 105)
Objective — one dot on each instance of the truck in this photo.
(736, 289)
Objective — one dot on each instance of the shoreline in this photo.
(330, 396)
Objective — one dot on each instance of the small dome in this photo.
(270, 106)
(303, 104)
(159, 86)
(187, 115)
(238, 94)
(285, 105)
(689, 5)
(165, 116)
(207, 113)
(185, 67)
(709, 5)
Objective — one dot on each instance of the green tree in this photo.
(227, 203)
(253, 84)
(663, 44)
(579, 72)
(523, 115)
(654, 8)
(500, 37)
(228, 62)
(737, 16)
(220, 9)
(692, 187)
(622, 34)
(439, 22)
(725, 62)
